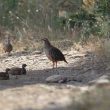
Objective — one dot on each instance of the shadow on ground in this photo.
(78, 77)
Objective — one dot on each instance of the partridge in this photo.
(18, 71)
(7, 46)
(53, 53)
(4, 75)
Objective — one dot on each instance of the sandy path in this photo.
(31, 92)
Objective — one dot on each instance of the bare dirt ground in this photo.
(31, 92)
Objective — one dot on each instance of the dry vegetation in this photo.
(94, 99)
(82, 33)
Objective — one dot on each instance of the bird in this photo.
(7, 46)
(4, 75)
(18, 71)
(53, 53)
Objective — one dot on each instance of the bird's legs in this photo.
(56, 64)
(53, 64)
(9, 54)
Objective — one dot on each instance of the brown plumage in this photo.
(4, 75)
(7, 46)
(53, 53)
(18, 71)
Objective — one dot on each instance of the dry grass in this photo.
(29, 40)
(101, 47)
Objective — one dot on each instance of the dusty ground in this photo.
(31, 92)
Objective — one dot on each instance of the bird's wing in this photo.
(56, 54)
(15, 70)
(2, 74)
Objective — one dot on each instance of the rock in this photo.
(56, 79)
(101, 80)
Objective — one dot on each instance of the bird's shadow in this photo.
(39, 77)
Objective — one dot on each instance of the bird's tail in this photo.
(65, 61)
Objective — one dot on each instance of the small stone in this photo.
(101, 80)
(56, 79)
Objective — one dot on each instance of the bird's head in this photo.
(46, 41)
(7, 38)
(24, 65)
(7, 69)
